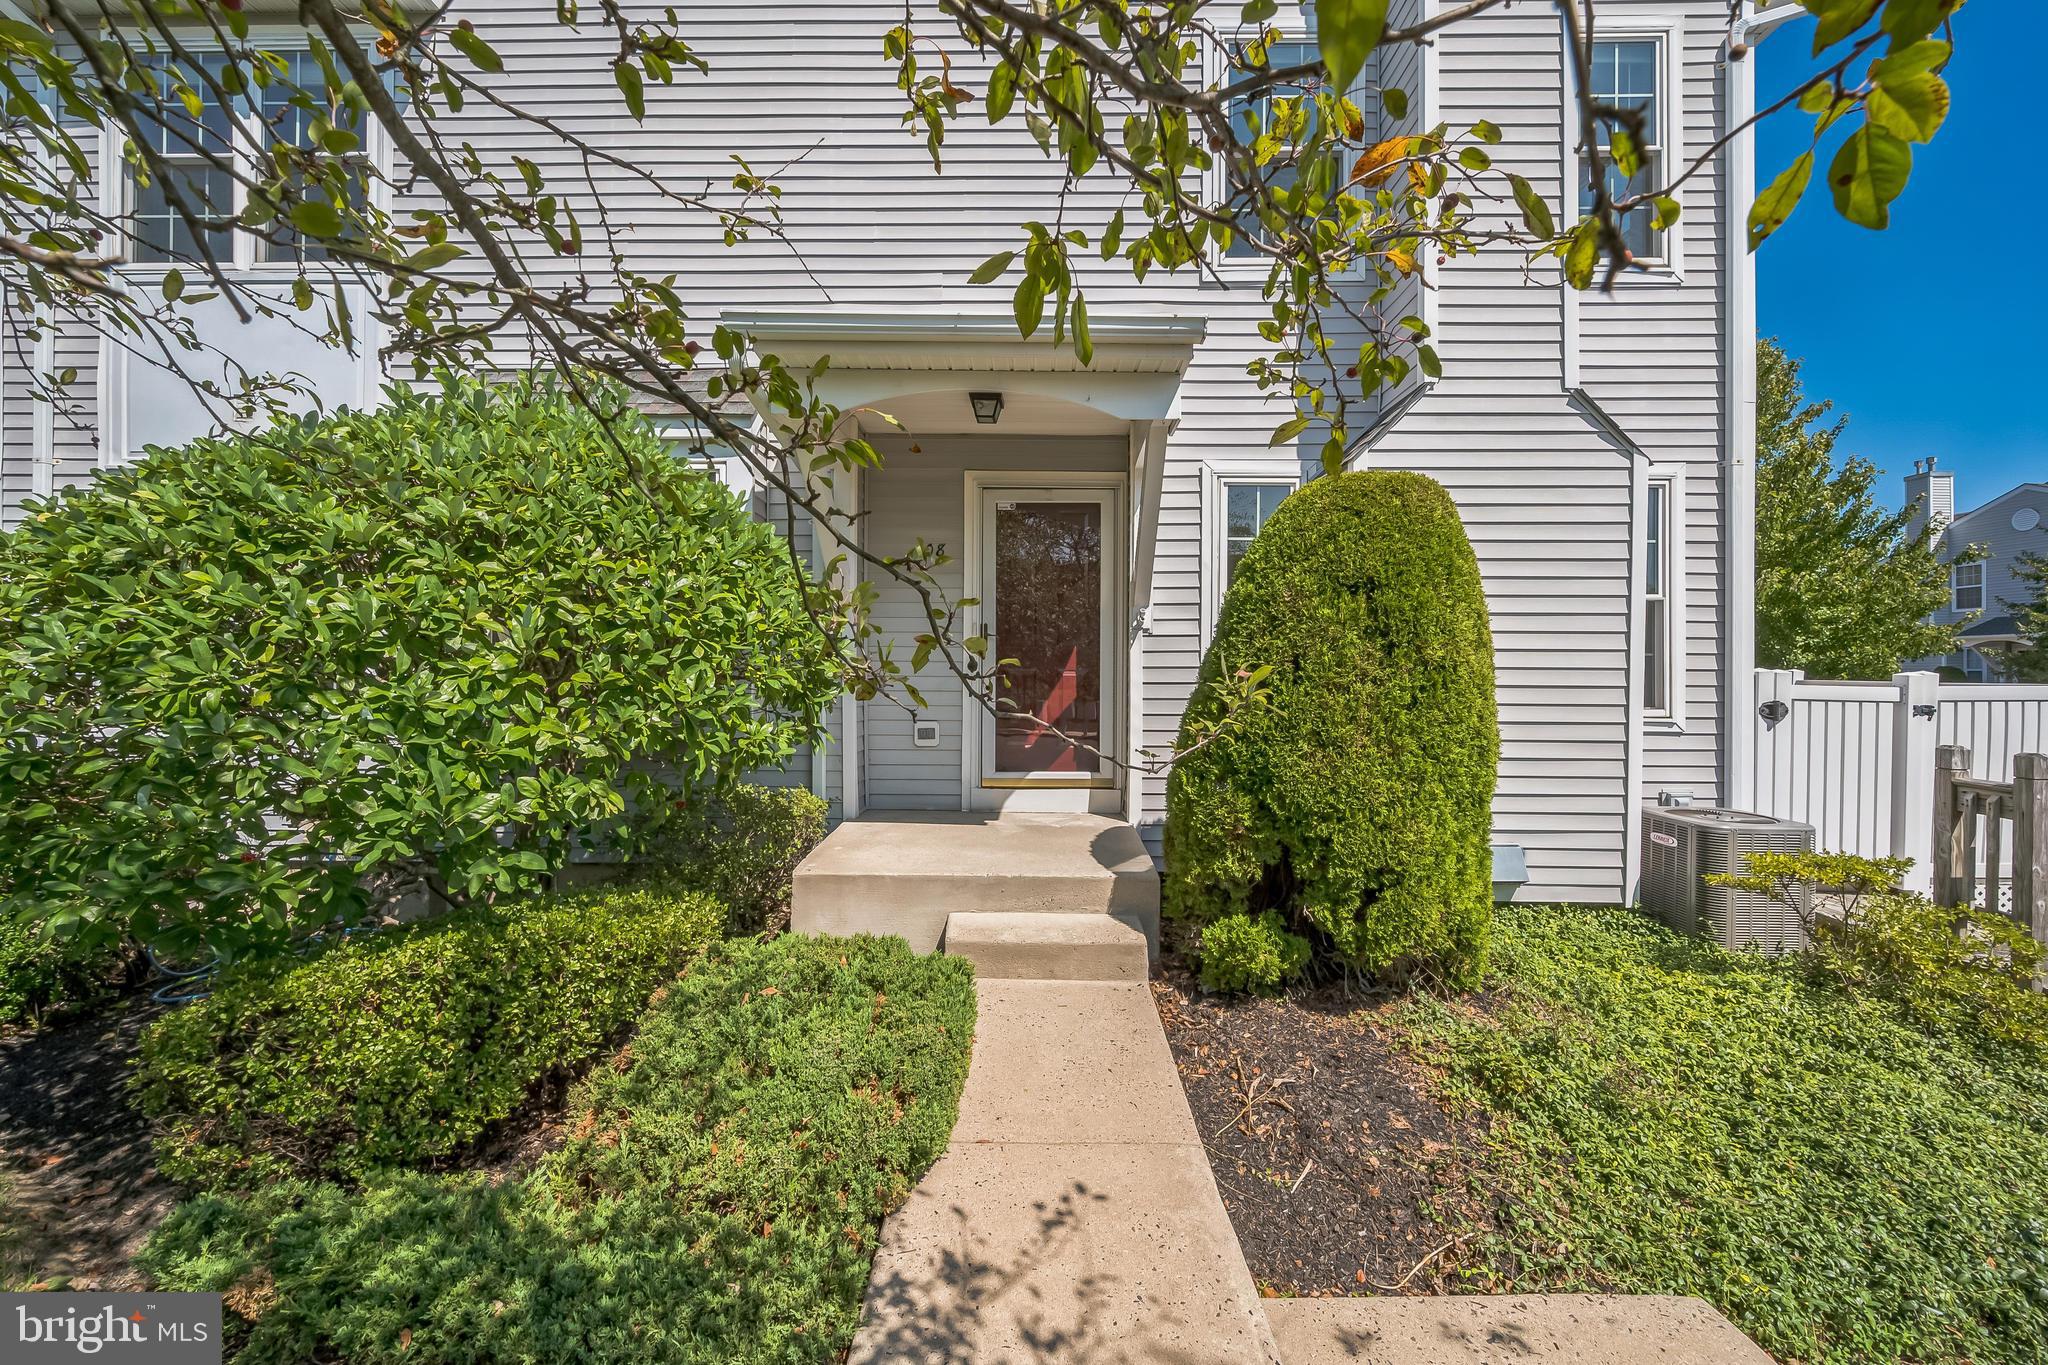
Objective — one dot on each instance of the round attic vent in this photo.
(2026, 519)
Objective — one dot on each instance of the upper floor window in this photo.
(195, 150)
(1237, 502)
(1966, 586)
(1628, 74)
(1659, 653)
(198, 150)
(1253, 115)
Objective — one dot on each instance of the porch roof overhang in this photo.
(877, 355)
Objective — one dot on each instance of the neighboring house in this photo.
(1598, 445)
(2013, 524)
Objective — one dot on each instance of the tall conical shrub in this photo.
(1356, 799)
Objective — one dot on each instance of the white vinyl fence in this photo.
(1856, 759)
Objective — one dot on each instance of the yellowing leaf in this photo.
(1379, 161)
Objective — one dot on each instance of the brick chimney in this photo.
(1931, 494)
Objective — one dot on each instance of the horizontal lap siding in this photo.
(1653, 353)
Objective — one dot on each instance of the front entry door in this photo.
(1048, 574)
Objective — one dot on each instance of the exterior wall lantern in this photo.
(987, 407)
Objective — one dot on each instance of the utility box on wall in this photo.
(1683, 845)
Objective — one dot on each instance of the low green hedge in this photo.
(718, 1201)
(399, 1047)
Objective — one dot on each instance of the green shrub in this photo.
(1670, 1118)
(1356, 800)
(718, 1202)
(1250, 953)
(445, 637)
(1957, 968)
(742, 845)
(39, 973)
(402, 1046)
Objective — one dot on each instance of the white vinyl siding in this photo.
(1546, 492)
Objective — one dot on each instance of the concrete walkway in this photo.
(1073, 1218)
(1509, 1329)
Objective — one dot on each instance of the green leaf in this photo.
(992, 267)
(1582, 254)
(1473, 159)
(1667, 211)
(1838, 19)
(1910, 106)
(431, 257)
(316, 218)
(1906, 20)
(1349, 30)
(1487, 131)
(1002, 91)
(1622, 148)
(1395, 102)
(1288, 430)
(1535, 213)
(1084, 344)
(627, 76)
(1779, 198)
(174, 285)
(1426, 357)
(476, 49)
(1868, 173)
(1028, 303)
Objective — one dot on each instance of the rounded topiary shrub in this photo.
(1354, 798)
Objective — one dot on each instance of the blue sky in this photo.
(1933, 334)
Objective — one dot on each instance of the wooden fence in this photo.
(1963, 805)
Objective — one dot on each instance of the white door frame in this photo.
(1101, 792)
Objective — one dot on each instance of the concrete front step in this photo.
(909, 872)
(1042, 947)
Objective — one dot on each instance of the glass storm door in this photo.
(1046, 580)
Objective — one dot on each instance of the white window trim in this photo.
(117, 180)
(1215, 475)
(1956, 585)
(1671, 719)
(1622, 22)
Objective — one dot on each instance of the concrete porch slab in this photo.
(1509, 1329)
(905, 872)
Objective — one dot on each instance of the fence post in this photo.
(2030, 843)
(1914, 730)
(1771, 735)
(1951, 826)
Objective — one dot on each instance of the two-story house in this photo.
(1981, 592)
(1599, 445)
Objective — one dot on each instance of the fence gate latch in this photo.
(1774, 711)
(1924, 710)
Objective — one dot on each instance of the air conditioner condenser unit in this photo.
(1683, 844)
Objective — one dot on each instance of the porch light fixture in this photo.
(987, 407)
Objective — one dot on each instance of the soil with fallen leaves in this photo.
(79, 1193)
(1342, 1172)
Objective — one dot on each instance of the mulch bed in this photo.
(80, 1189)
(1342, 1172)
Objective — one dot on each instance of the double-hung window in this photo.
(1657, 650)
(1252, 116)
(1966, 586)
(198, 149)
(1628, 75)
(190, 155)
(1237, 504)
